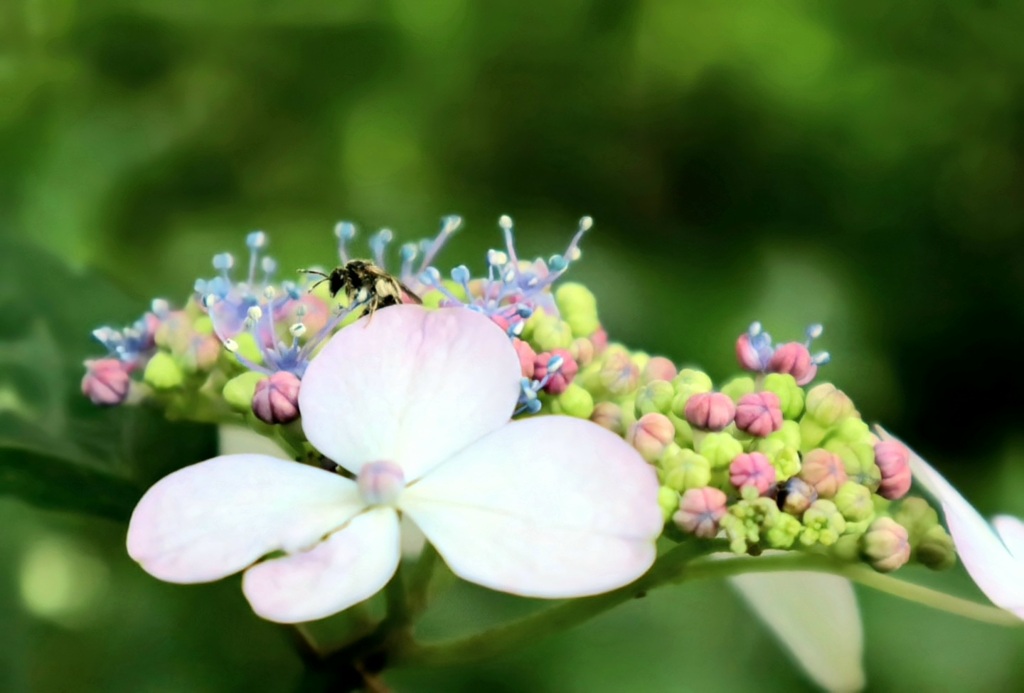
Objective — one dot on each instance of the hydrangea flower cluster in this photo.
(410, 412)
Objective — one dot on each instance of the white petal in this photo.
(985, 557)
(351, 565)
(215, 518)
(1011, 531)
(410, 386)
(815, 616)
(545, 507)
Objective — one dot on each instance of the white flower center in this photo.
(380, 483)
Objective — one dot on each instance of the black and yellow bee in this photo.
(366, 284)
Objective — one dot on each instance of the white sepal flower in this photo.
(815, 616)
(416, 404)
(993, 554)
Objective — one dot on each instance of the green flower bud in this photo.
(811, 433)
(549, 333)
(853, 430)
(854, 502)
(885, 545)
(791, 395)
(785, 459)
(739, 386)
(575, 401)
(578, 308)
(917, 516)
(684, 469)
(628, 406)
(789, 434)
(859, 462)
(744, 522)
(655, 397)
(668, 501)
(823, 524)
(935, 549)
(847, 548)
(781, 530)
(203, 325)
(684, 431)
(238, 391)
(162, 372)
(618, 374)
(720, 449)
(689, 382)
(640, 359)
(247, 347)
(828, 405)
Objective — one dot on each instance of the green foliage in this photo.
(57, 450)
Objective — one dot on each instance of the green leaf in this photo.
(58, 450)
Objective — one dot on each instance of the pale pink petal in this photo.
(410, 386)
(215, 518)
(1011, 530)
(815, 616)
(985, 557)
(351, 565)
(545, 507)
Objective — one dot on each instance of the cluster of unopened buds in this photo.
(767, 460)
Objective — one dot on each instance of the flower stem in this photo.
(550, 620)
(419, 581)
(857, 573)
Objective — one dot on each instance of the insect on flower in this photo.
(367, 284)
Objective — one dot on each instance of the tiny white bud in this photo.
(505, 222)
(298, 329)
(255, 313)
(269, 293)
(497, 258)
(586, 223)
(231, 345)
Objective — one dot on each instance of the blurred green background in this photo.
(858, 164)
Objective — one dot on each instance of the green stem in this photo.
(419, 582)
(857, 573)
(550, 620)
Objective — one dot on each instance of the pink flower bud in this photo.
(893, 460)
(582, 349)
(700, 510)
(600, 341)
(526, 356)
(886, 545)
(106, 381)
(651, 434)
(659, 368)
(794, 358)
(608, 415)
(752, 469)
(824, 471)
(276, 400)
(711, 411)
(759, 413)
(746, 354)
(560, 378)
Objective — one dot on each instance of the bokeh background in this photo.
(858, 164)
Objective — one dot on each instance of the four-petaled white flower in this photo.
(417, 405)
(993, 554)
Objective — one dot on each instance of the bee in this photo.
(366, 284)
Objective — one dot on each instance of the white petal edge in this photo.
(546, 507)
(351, 565)
(816, 618)
(411, 386)
(983, 553)
(215, 518)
